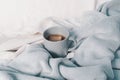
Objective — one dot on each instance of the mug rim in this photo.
(66, 37)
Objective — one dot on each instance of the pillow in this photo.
(24, 16)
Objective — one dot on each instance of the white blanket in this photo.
(91, 61)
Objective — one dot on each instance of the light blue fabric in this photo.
(110, 8)
(35, 60)
(98, 39)
(92, 58)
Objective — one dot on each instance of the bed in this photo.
(23, 28)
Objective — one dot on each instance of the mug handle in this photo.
(74, 43)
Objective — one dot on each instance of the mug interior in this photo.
(56, 30)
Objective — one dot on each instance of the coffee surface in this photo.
(55, 37)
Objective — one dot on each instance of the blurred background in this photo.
(24, 16)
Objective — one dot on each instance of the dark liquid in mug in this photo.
(55, 37)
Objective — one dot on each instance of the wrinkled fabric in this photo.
(96, 47)
(97, 50)
(110, 8)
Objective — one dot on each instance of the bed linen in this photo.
(9, 45)
(24, 16)
(92, 58)
(110, 8)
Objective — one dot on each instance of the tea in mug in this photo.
(55, 37)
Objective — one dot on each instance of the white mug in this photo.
(58, 48)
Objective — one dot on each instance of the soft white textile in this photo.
(24, 16)
(13, 43)
(92, 58)
(9, 45)
(110, 8)
(97, 34)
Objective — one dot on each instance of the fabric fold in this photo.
(93, 58)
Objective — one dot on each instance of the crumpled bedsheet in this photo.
(92, 58)
(110, 8)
